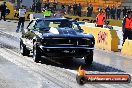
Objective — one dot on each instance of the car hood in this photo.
(63, 32)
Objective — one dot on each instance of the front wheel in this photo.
(36, 53)
(89, 59)
(24, 51)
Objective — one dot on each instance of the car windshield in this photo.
(54, 23)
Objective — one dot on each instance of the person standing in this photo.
(47, 13)
(74, 9)
(129, 8)
(107, 11)
(100, 19)
(99, 8)
(38, 7)
(3, 11)
(113, 12)
(69, 9)
(33, 7)
(22, 12)
(79, 9)
(127, 27)
(124, 12)
(54, 5)
(118, 13)
(62, 6)
(89, 10)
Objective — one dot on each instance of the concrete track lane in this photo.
(115, 60)
(12, 76)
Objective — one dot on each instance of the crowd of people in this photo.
(116, 12)
(112, 12)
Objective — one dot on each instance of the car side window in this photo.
(76, 27)
(39, 24)
(31, 25)
(42, 24)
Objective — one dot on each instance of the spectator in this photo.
(129, 9)
(127, 27)
(124, 12)
(69, 9)
(100, 8)
(33, 7)
(58, 14)
(74, 9)
(89, 10)
(79, 9)
(62, 7)
(100, 19)
(118, 13)
(22, 12)
(54, 5)
(3, 11)
(113, 12)
(107, 11)
(38, 6)
(47, 5)
(47, 13)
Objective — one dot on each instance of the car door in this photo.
(28, 34)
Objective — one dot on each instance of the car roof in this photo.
(51, 19)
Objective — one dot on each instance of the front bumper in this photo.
(65, 51)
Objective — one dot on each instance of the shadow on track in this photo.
(74, 63)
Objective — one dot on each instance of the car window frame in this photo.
(32, 22)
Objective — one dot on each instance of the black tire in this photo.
(36, 53)
(24, 51)
(81, 80)
(89, 59)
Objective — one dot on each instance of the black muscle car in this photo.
(56, 38)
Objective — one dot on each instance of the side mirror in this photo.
(81, 30)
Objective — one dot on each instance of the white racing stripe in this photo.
(53, 30)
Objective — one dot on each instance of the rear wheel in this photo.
(24, 51)
(36, 53)
(89, 58)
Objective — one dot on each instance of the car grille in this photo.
(67, 41)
